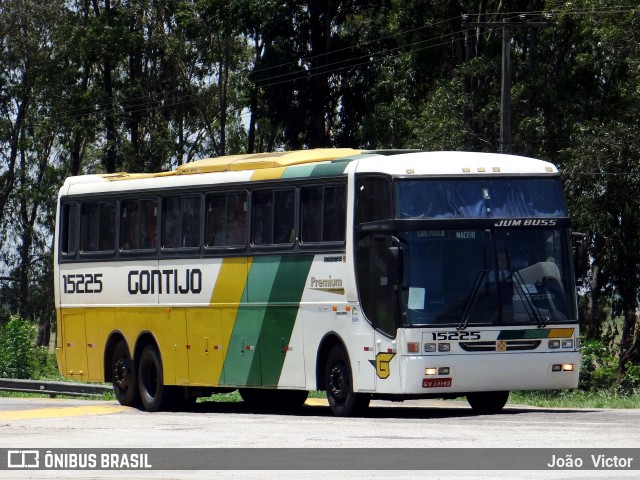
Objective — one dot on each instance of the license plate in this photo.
(436, 382)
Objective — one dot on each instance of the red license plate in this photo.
(436, 382)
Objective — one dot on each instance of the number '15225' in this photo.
(456, 335)
(82, 283)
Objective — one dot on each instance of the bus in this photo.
(367, 274)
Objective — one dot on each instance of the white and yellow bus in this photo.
(368, 274)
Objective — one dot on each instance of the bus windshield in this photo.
(479, 198)
(488, 277)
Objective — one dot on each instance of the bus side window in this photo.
(69, 229)
(323, 214)
(311, 215)
(335, 214)
(181, 222)
(190, 222)
(373, 199)
(284, 216)
(89, 227)
(107, 227)
(171, 222)
(226, 220)
(129, 225)
(262, 218)
(148, 224)
(273, 217)
(97, 227)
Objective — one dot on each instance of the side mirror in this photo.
(395, 263)
(580, 257)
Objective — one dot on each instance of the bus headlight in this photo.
(554, 343)
(567, 343)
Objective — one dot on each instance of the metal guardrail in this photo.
(53, 389)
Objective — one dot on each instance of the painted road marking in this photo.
(61, 412)
(317, 402)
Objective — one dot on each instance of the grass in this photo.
(543, 398)
(604, 398)
(609, 398)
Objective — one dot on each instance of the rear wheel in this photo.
(124, 376)
(343, 401)
(487, 403)
(153, 393)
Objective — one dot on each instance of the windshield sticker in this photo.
(416, 298)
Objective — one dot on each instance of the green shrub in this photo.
(599, 366)
(19, 357)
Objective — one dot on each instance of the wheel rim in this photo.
(122, 373)
(338, 382)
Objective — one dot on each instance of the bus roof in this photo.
(315, 162)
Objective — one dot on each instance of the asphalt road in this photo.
(77, 424)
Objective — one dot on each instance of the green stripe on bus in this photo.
(280, 319)
(237, 369)
(334, 168)
(523, 334)
(265, 322)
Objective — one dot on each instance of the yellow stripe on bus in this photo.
(268, 174)
(227, 293)
(560, 333)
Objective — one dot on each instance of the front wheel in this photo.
(124, 376)
(153, 393)
(487, 403)
(343, 401)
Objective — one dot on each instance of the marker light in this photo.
(444, 347)
(554, 343)
(413, 347)
(431, 371)
(429, 347)
(567, 343)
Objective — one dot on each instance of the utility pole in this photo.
(505, 100)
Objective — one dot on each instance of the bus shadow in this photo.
(377, 411)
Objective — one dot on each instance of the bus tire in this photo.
(343, 401)
(153, 393)
(487, 403)
(124, 376)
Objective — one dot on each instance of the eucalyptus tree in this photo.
(30, 85)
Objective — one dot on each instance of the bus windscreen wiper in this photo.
(529, 305)
(472, 298)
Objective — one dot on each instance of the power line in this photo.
(144, 103)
